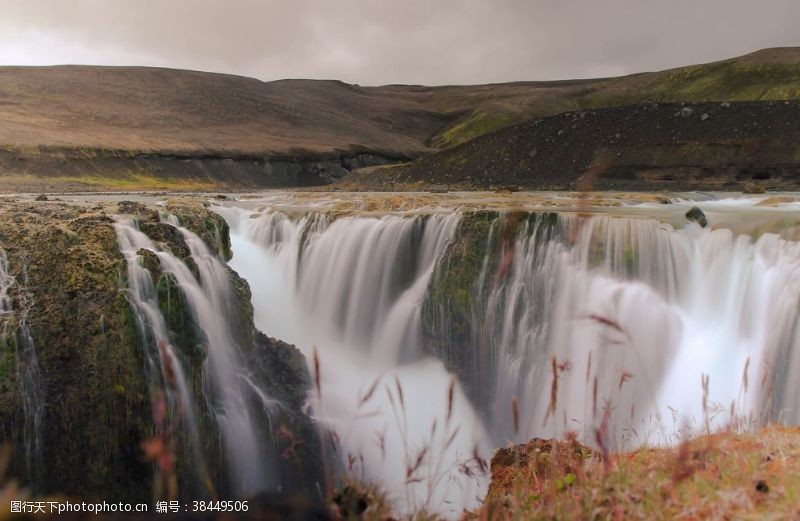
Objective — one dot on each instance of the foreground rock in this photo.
(512, 467)
(719, 476)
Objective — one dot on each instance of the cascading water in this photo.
(240, 409)
(349, 292)
(627, 315)
(14, 331)
(163, 366)
(635, 315)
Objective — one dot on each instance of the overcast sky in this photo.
(395, 41)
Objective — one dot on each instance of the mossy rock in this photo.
(453, 320)
(166, 236)
(282, 371)
(210, 227)
(183, 330)
(447, 310)
(93, 365)
(80, 328)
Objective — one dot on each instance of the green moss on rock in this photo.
(453, 320)
(447, 313)
(184, 333)
(93, 358)
(85, 347)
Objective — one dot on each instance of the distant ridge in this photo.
(70, 122)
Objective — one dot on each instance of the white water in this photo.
(163, 364)
(338, 295)
(664, 306)
(6, 280)
(227, 383)
(15, 323)
(644, 310)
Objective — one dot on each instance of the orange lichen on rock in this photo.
(532, 464)
(724, 475)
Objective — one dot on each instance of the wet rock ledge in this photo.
(95, 404)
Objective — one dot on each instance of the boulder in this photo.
(696, 214)
(131, 207)
(754, 188)
(544, 458)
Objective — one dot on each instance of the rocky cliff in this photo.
(65, 283)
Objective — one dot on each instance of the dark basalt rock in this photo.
(695, 214)
(647, 147)
(281, 370)
(351, 503)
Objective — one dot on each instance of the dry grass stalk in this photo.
(317, 380)
(515, 413)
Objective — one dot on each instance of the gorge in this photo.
(430, 329)
(630, 317)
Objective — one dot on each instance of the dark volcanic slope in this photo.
(652, 146)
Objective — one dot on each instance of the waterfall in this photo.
(240, 408)
(624, 330)
(640, 314)
(349, 291)
(14, 331)
(163, 365)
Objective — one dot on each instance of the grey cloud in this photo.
(391, 41)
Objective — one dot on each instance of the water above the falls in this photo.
(625, 329)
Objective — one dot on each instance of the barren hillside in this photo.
(128, 127)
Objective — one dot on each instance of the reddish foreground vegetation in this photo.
(719, 476)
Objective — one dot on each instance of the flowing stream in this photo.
(337, 291)
(652, 330)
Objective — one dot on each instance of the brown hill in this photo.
(142, 109)
(128, 127)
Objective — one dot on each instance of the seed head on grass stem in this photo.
(317, 383)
